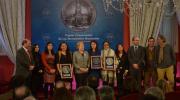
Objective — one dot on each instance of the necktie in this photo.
(29, 55)
(135, 48)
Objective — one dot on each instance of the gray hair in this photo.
(78, 43)
(85, 93)
(156, 92)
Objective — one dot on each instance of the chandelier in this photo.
(177, 4)
(134, 6)
(117, 5)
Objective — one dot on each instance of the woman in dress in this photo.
(94, 74)
(37, 73)
(108, 76)
(48, 60)
(63, 56)
(122, 68)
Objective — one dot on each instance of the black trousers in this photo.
(48, 89)
(36, 83)
(81, 79)
(120, 83)
(136, 75)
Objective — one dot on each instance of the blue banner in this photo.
(74, 20)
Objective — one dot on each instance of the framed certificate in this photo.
(96, 62)
(109, 62)
(65, 71)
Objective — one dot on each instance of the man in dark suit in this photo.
(136, 54)
(24, 61)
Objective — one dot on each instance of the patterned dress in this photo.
(49, 63)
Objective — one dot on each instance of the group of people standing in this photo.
(152, 62)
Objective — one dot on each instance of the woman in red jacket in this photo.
(48, 60)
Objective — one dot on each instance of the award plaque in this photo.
(65, 71)
(109, 62)
(96, 62)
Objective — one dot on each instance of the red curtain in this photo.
(126, 34)
(28, 20)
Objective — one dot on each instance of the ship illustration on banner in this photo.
(78, 15)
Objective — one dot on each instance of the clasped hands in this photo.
(84, 70)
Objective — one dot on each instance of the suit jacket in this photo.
(136, 57)
(152, 63)
(22, 63)
(169, 57)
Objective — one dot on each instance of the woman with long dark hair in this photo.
(122, 67)
(37, 72)
(94, 74)
(63, 56)
(48, 60)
